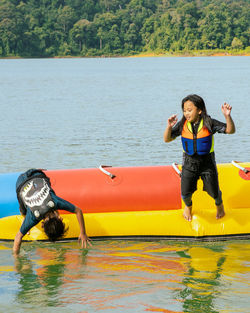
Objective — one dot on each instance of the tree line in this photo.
(47, 28)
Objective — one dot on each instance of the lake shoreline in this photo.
(190, 54)
(198, 53)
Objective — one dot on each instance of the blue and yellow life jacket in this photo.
(200, 143)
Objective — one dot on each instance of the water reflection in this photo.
(120, 276)
(202, 280)
(44, 274)
(208, 278)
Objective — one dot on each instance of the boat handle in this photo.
(235, 163)
(101, 168)
(174, 165)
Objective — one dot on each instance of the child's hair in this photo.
(200, 104)
(54, 228)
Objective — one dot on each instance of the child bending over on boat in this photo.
(38, 201)
(196, 129)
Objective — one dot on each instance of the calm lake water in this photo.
(78, 113)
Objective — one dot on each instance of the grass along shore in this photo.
(183, 53)
(195, 53)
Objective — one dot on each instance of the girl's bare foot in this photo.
(188, 213)
(220, 211)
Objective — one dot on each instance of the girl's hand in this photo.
(172, 120)
(226, 109)
(84, 241)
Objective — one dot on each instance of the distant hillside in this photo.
(47, 28)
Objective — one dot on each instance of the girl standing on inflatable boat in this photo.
(196, 129)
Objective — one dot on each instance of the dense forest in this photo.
(47, 28)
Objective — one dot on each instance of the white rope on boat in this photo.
(235, 163)
(174, 165)
(101, 168)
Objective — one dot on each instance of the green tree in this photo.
(105, 32)
(131, 38)
(237, 43)
(11, 29)
(82, 36)
(65, 19)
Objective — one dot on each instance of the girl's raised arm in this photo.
(226, 110)
(171, 122)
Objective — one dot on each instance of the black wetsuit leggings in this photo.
(195, 167)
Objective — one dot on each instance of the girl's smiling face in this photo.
(191, 112)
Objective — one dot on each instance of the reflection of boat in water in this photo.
(137, 202)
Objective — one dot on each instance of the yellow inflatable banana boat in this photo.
(137, 202)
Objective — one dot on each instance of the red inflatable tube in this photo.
(130, 189)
